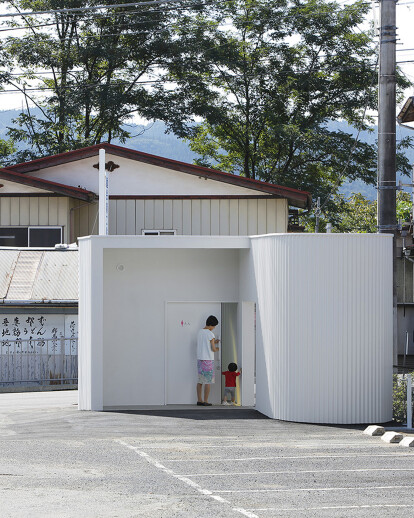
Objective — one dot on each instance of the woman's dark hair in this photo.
(232, 367)
(211, 321)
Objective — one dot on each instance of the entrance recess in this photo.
(183, 321)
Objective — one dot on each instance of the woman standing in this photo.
(206, 347)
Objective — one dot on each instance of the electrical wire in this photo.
(75, 10)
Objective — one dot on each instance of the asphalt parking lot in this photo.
(58, 462)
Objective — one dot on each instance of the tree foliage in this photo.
(267, 77)
(358, 214)
(102, 67)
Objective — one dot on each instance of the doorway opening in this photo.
(237, 342)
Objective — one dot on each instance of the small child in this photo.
(230, 383)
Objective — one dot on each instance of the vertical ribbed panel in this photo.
(324, 353)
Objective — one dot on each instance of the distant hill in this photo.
(153, 139)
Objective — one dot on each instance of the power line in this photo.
(88, 9)
(74, 10)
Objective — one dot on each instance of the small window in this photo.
(14, 236)
(21, 237)
(45, 236)
(159, 232)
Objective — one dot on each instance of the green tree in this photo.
(358, 214)
(266, 77)
(94, 71)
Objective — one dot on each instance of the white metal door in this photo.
(183, 321)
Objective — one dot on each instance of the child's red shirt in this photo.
(230, 378)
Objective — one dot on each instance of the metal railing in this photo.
(40, 361)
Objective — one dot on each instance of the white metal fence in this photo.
(40, 361)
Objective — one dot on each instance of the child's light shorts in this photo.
(230, 391)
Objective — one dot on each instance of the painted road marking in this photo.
(227, 459)
(292, 472)
(374, 506)
(310, 489)
(184, 479)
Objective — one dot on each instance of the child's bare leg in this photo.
(199, 389)
(206, 392)
(225, 399)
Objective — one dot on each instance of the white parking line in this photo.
(184, 479)
(311, 489)
(349, 456)
(374, 506)
(293, 472)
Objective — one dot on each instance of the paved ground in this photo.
(58, 462)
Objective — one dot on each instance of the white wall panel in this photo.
(120, 217)
(43, 211)
(177, 223)
(139, 216)
(215, 217)
(53, 211)
(5, 211)
(205, 217)
(243, 216)
(130, 217)
(93, 223)
(325, 350)
(24, 211)
(261, 217)
(187, 217)
(196, 217)
(234, 218)
(224, 217)
(159, 214)
(34, 211)
(252, 217)
(167, 224)
(14, 211)
(149, 214)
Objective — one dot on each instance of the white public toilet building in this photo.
(308, 317)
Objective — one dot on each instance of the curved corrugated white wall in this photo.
(325, 314)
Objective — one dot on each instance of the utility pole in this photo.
(387, 217)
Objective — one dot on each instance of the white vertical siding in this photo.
(198, 216)
(215, 218)
(325, 348)
(121, 217)
(158, 214)
(43, 211)
(187, 217)
(5, 211)
(234, 218)
(167, 214)
(14, 211)
(261, 216)
(130, 218)
(252, 217)
(224, 218)
(177, 221)
(24, 211)
(139, 217)
(33, 211)
(53, 211)
(205, 217)
(195, 217)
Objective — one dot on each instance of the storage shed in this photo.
(307, 317)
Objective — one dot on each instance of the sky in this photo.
(405, 50)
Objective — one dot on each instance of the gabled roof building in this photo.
(55, 199)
